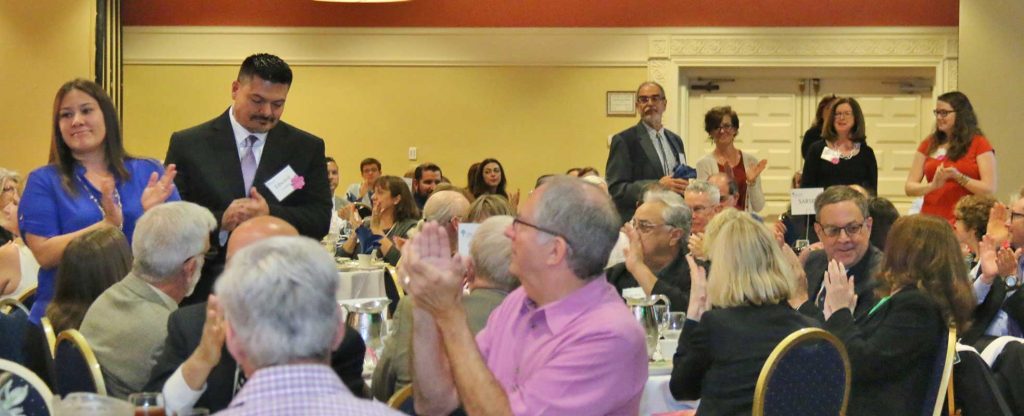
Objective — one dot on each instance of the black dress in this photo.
(861, 169)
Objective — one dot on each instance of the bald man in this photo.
(195, 369)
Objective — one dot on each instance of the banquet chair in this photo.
(402, 401)
(942, 371)
(28, 298)
(76, 365)
(22, 392)
(977, 392)
(808, 373)
(12, 335)
(11, 305)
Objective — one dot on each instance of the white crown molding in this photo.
(217, 45)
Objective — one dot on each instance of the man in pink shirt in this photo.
(563, 343)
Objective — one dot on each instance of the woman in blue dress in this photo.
(90, 182)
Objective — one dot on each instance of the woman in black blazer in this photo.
(892, 348)
(722, 350)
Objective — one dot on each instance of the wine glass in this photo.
(674, 325)
(147, 404)
(661, 316)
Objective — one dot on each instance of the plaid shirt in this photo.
(301, 389)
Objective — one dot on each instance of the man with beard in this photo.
(125, 325)
(425, 179)
(246, 163)
(644, 154)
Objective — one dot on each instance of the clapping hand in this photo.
(696, 246)
(111, 209)
(699, 302)
(634, 252)
(432, 275)
(839, 289)
(675, 185)
(996, 229)
(756, 171)
(158, 189)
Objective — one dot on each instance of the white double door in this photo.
(774, 113)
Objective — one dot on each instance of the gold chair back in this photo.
(398, 399)
(78, 340)
(8, 305)
(51, 337)
(789, 343)
(36, 383)
(946, 383)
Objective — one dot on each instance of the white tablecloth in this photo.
(657, 398)
(359, 283)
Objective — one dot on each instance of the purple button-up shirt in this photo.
(584, 354)
(300, 389)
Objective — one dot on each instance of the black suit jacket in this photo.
(892, 353)
(185, 329)
(210, 174)
(719, 359)
(632, 164)
(864, 283)
(673, 281)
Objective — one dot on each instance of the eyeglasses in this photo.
(516, 222)
(644, 226)
(852, 228)
(942, 113)
(8, 189)
(1014, 215)
(845, 114)
(728, 128)
(644, 99)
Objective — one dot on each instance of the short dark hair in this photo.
(330, 160)
(369, 161)
(266, 66)
(883, 214)
(713, 118)
(418, 173)
(842, 193)
(858, 133)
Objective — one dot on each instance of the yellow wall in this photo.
(42, 45)
(535, 120)
(992, 75)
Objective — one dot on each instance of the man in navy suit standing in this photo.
(644, 154)
(246, 163)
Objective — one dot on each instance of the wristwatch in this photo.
(1012, 282)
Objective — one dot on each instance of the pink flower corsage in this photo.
(298, 182)
(835, 161)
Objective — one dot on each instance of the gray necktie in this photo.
(666, 150)
(249, 163)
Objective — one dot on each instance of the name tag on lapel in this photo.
(284, 183)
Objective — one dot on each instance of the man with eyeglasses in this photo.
(645, 153)
(562, 343)
(844, 228)
(656, 262)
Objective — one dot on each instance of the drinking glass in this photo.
(674, 325)
(661, 316)
(147, 404)
(195, 411)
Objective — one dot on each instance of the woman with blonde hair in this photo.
(722, 350)
(18, 267)
(892, 349)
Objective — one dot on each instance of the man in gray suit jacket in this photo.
(126, 324)
(644, 154)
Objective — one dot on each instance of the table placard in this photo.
(466, 232)
(802, 200)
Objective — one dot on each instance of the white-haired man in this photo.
(658, 236)
(489, 282)
(562, 343)
(285, 349)
(126, 324)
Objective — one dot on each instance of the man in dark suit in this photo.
(643, 154)
(660, 229)
(246, 163)
(194, 367)
(844, 227)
